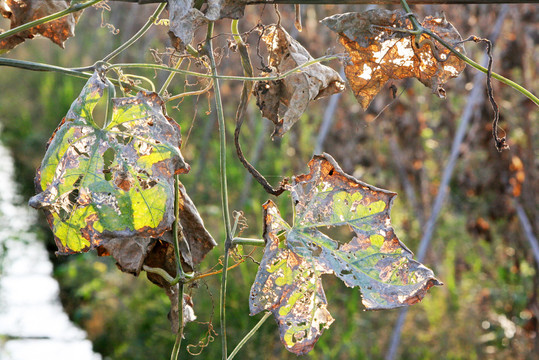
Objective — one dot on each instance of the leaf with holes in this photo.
(284, 101)
(379, 53)
(23, 11)
(288, 281)
(117, 182)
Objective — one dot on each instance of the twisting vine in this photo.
(244, 101)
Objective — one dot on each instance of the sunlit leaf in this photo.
(284, 101)
(290, 286)
(378, 53)
(23, 11)
(288, 281)
(131, 253)
(98, 184)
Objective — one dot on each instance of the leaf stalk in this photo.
(225, 77)
(248, 241)
(249, 335)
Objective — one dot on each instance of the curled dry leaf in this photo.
(129, 254)
(283, 101)
(185, 18)
(198, 241)
(23, 11)
(379, 53)
(288, 281)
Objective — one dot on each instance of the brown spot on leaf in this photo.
(123, 180)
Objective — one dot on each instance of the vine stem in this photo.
(224, 77)
(170, 77)
(71, 9)
(176, 229)
(151, 20)
(179, 336)
(248, 241)
(240, 113)
(180, 275)
(483, 69)
(202, 276)
(191, 93)
(78, 73)
(249, 335)
(224, 190)
(33, 66)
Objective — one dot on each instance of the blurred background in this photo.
(488, 307)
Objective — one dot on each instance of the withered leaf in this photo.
(97, 184)
(289, 285)
(288, 280)
(283, 101)
(198, 241)
(23, 11)
(128, 253)
(185, 18)
(378, 53)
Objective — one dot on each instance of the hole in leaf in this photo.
(108, 159)
(100, 110)
(341, 234)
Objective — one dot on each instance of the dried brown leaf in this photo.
(198, 240)
(378, 53)
(284, 101)
(129, 254)
(185, 18)
(23, 11)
